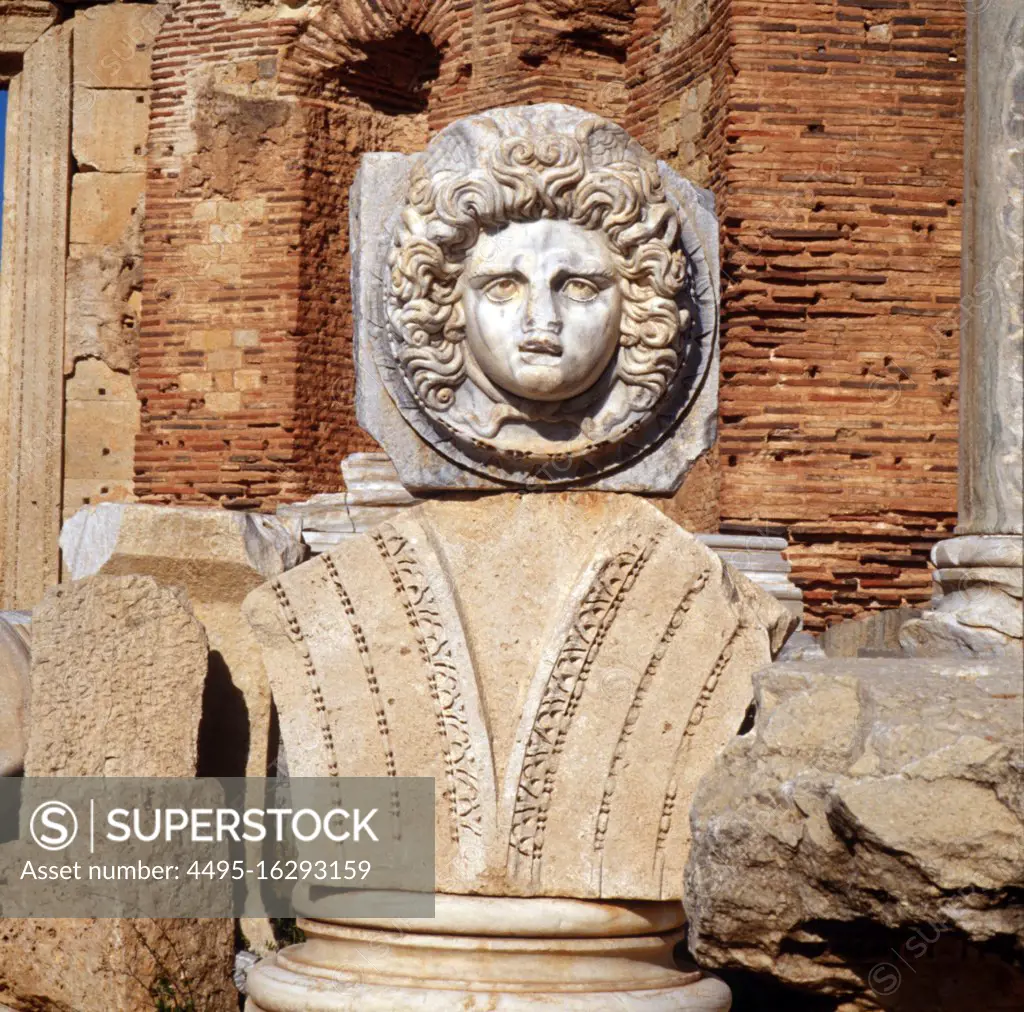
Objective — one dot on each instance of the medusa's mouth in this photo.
(541, 344)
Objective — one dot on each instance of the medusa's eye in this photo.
(579, 289)
(501, 289)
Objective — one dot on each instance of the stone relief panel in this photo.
(565, 711)
(536, 306)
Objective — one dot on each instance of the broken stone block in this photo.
(217, 556)
(118, 669)
(871, 819)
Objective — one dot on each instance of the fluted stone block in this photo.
(566, 666)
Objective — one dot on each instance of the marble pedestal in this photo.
(495, 954)
(979, 606)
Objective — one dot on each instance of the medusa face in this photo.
(542, 306)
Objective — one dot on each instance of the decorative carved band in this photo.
(696, 716)
(562, 696)
(618, 760)
(424, 617)
(297, 637)
(372, 682)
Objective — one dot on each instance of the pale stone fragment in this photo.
(980, 610)
(15, 659)
(566, 666)
(118, 669)
(217, 556)
(873, 817)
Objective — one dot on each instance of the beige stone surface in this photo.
(217, 557)
(104, 301)
(37, 164)
(110, 129)
(873, 818)
(104, 204)
(15, 660)
(113, 44)
(69, 965)
(101, 418)
(21, 23)
(118, 669)
(565, 665)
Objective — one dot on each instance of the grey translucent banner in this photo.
(216, 847)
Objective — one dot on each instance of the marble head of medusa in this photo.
(535, 302)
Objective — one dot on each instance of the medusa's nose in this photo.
(541, 308)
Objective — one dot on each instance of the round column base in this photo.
(979, 610)
(569, 964)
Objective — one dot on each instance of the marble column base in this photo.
(483, 954)
(979, 607)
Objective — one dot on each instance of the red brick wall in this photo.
(842, 182)
(217, 345)
(830, 133)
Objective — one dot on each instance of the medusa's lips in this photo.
(542, 343)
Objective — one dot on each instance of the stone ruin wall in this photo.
(830, 133)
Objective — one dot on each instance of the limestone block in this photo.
(101, 419)
(22, 23)
(217, 556)
(113, 44)
(106, 965)
(104, 206)
(119, 665)
(873, 796)
(118, 669)
(109, 129)
(15, 659)
(565, 665)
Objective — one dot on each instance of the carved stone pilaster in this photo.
(32, 319)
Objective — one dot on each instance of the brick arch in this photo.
(257, 128)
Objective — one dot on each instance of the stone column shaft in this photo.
(992, 296)
(979, 574)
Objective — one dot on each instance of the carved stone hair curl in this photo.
(523, 180)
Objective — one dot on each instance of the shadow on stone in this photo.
(224, 728)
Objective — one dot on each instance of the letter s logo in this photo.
(54, 816)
